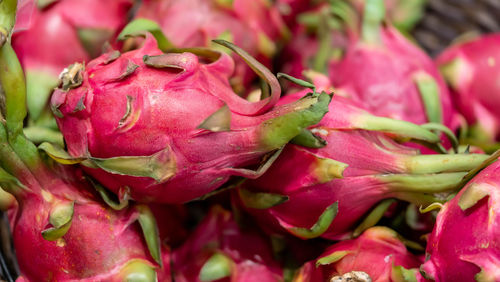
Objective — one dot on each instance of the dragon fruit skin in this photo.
(472, 71)
(356, 169)
(100, 244)
(383, 78)
(254, 25)
(158, 111)
(48, 39)
(218, 233)
(376, 252)
(465, 242)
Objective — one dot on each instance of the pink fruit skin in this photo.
(167, 106)
(294, 174)
(382, 78)
(194, 23)
(475, 80)
(464, 242)
(47, 40)
(375, 252)
(99, 243)
(219, 233)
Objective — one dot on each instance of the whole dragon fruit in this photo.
(50, 35)
(254, 25)
(169, 126)
(323, 31)
(472, 70)
(344, 170)
(75, 235)
(378, 254)
(391, 76)
(465, 242)
(219, 249)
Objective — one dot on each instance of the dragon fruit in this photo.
(357, 168)
(219, 249)
(50, 35)
(169, 126)
(471, 69)
(378, 254)
(75, 235)
(254, 25)
(465, 242)
(323, 31)
(391, 76)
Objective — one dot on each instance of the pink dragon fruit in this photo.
(472, 70)
(220, 250)
(323, 32)
(254, 25)
(74, 234)
(50, 35)
(169, 126)
(465, 242)
(336, 185)
(378, 254)
(391, 76)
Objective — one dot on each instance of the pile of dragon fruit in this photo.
(246, 140)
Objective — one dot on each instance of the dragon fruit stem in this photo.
(13, 165)
(422, 164)
(429, 92)
(398, 127)
(324, 48)
(373, 16)
(13, 84)
(423, 183)
(446, 131)
(7, 19)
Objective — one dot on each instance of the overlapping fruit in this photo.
(149, 141)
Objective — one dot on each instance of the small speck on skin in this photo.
(491, 62)
(387, 258)
(60, 243)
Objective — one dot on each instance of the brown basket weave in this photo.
(447, 20)
(8, 266)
